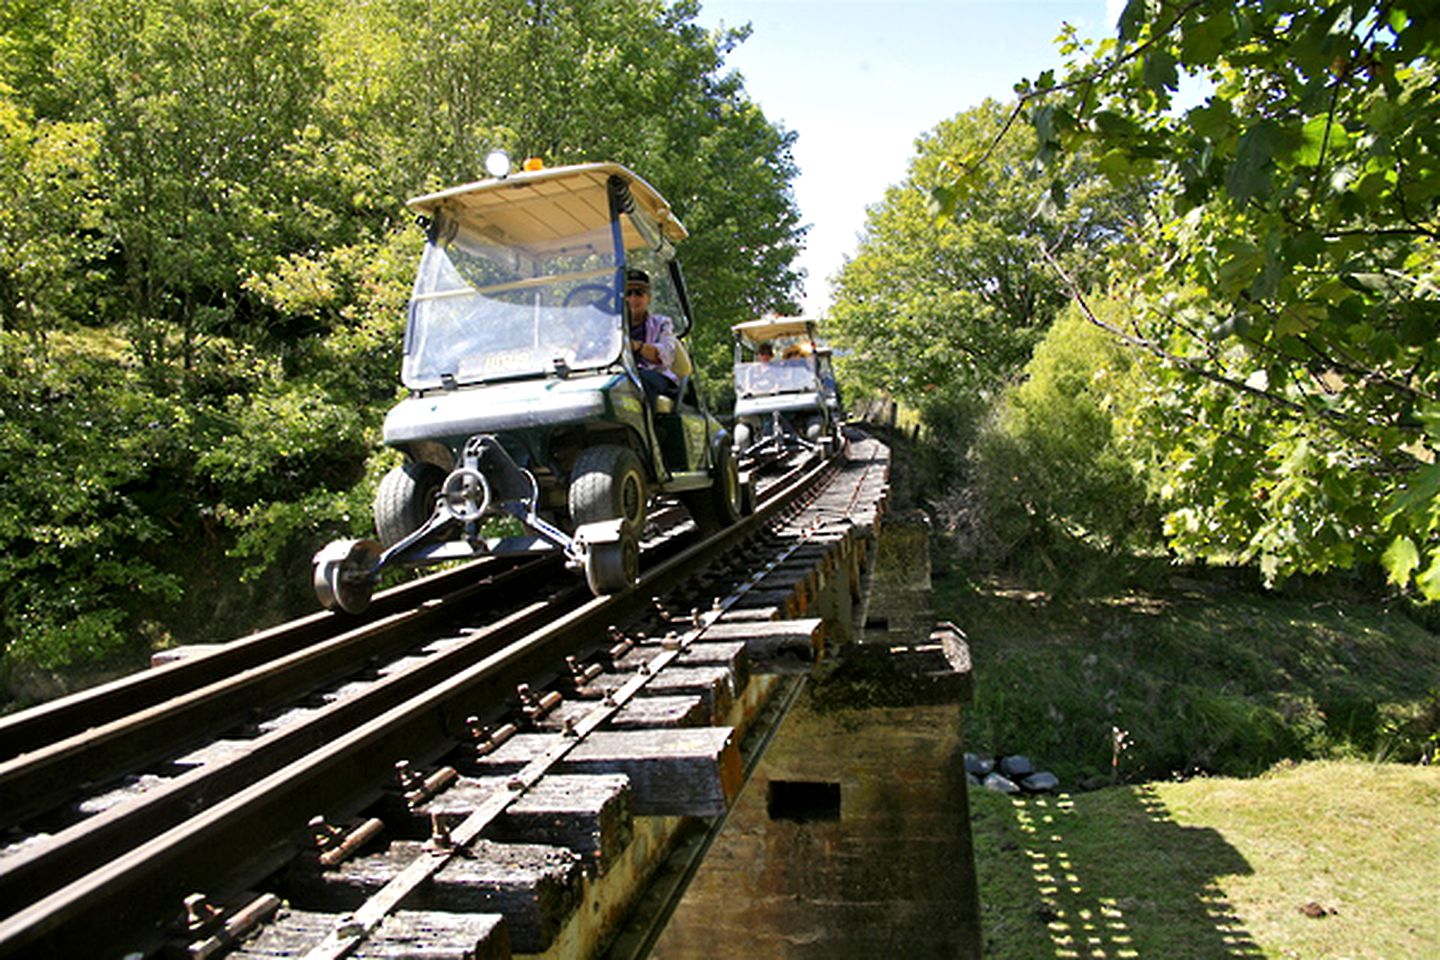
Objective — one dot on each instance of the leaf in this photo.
(1131, 19)
(1240, 269)
(1249, 175)
(1417, 495)
(1320, 136)
(1400, 560)
(1203, 41)
(1160, 71)
(1429, 580)
(942, 201)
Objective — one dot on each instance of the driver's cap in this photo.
(637, 279)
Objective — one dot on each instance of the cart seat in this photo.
(683, 369)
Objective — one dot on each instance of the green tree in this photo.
(1055, 468)
(930, 306)
(1286, 271)
(196, 102)
(50, 215)
(640, 83)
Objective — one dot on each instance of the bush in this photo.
(1050, 476)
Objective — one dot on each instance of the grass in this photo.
(1217, 867)
(1271, 766)
(1202, 677)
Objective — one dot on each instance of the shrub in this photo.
(1050, 475)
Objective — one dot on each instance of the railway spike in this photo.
(200, 913)
(324, 833)
(334, 853)
(409, 779)
(440, 838)
(477, 731)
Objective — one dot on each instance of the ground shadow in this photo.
(1114, 876)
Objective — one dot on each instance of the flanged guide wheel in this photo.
(613, 567)
(342, 575)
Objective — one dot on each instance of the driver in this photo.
(652, 338)
(760, 376)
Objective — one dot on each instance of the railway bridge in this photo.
(489, 762)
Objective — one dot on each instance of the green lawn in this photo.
(1270, 768)
(1217, 867)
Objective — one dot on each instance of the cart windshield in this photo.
(484, 309)
(759, 378)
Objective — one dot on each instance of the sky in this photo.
(859, 81)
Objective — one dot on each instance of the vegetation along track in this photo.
(205, 774)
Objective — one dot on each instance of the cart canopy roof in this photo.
(544, 209)
(775, 328)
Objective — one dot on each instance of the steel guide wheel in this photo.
(613, 567)
(342, 577)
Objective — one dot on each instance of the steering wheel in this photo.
(602, 295)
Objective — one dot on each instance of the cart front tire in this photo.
(405, 499)
(608, 483)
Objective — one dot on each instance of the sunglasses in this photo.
(637, 292)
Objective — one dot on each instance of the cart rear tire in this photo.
(723, 502)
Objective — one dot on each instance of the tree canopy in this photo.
(1285, 269)
(928, 307)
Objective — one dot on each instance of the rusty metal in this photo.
(236, 927)
(440, 833)
(496, 739)
(429, 786)
(73, 715)
(581, 674)
(41, 778)
(200, 913)
(325, 834)
(343, 844)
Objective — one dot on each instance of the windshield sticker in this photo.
(499, 362)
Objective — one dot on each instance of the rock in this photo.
(1042, 782)
(971, 779)
(1016, 766)
(977, 765)
(1000, 784)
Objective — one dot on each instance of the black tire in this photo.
(606, 483)
(723, 502)
(405, 499)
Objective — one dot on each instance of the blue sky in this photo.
(860, 80)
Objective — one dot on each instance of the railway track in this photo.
(302, 790)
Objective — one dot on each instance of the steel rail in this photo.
(77, 713)
(172, 706)
(35, 781)
(83, 846)
(354, 928)
(245, 835)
